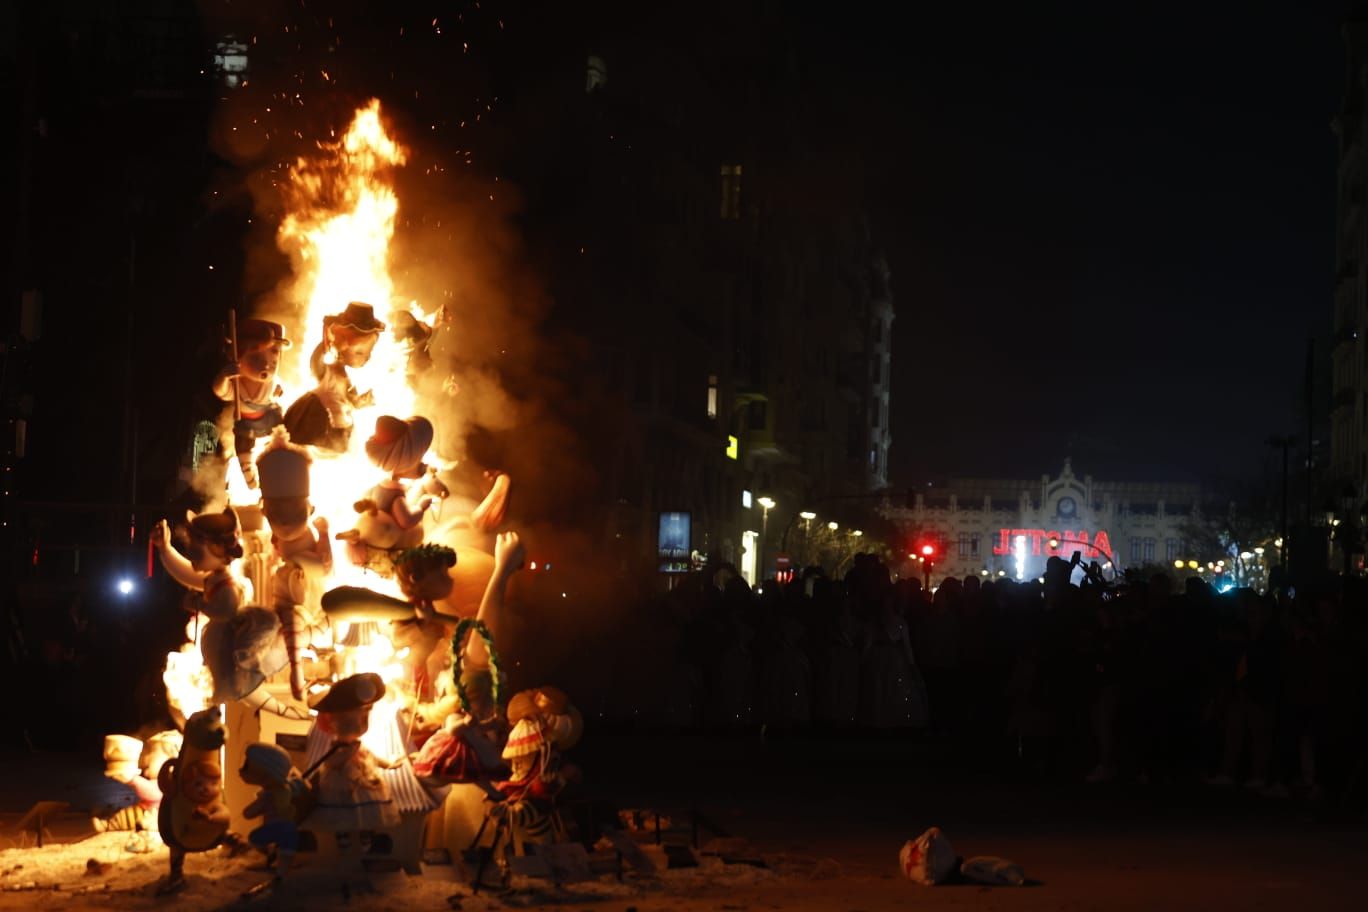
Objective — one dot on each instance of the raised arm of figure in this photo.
(177, 565)
(509, 555)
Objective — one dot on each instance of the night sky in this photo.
(1111, 229)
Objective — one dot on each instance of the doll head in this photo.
(422, 572)
(352, 334)
(157, 750)
(344, 711)
(259, 345)
(210, 540)
(398, 446)
(288, 516)
(525, 748)
(265, 765)
(479, 689)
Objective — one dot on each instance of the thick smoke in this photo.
(502, 393)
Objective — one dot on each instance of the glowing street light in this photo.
(807, 516)
(125, 586)
(833, 526)
(766, 504)
(856, 532)
(1179, 564)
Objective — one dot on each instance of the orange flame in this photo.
(338, 234)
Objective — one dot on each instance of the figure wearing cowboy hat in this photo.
(259, 345)
(322, 417)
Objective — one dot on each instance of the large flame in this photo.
(342, 213)
(189, 686)
(338, 233)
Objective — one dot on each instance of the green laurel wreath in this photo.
(466, 625)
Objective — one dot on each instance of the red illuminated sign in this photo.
(1095, 545)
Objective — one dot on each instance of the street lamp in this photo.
(766, 504)
(857, 533)
(833, 525)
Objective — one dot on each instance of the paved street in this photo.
(800, 805)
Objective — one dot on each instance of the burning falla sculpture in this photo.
(390, 519)
(193, 817)
(241, 642)
(322, 417)
(249, 382)
(301, 543)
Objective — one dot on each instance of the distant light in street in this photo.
(807, 515)
(125, 587)
(833, 526)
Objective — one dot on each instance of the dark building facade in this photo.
(727, 279)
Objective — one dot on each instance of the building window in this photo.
(964, 545)
(1149, 550)
(974, 545)
(731, 192)
(1172, 547)
(712, 396)
(597, 76)
(230, 61)
(1137, 550)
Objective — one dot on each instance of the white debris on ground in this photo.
(99, 873)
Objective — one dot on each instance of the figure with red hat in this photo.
(322, 417)
(391, 521)
(250, 382)
(544, 724)
(301, 543)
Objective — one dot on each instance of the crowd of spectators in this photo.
(1131, 682)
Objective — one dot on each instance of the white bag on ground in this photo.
(996, 872)
(928, 859)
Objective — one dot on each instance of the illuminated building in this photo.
(1008, 525)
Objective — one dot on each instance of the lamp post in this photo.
(766, 504)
